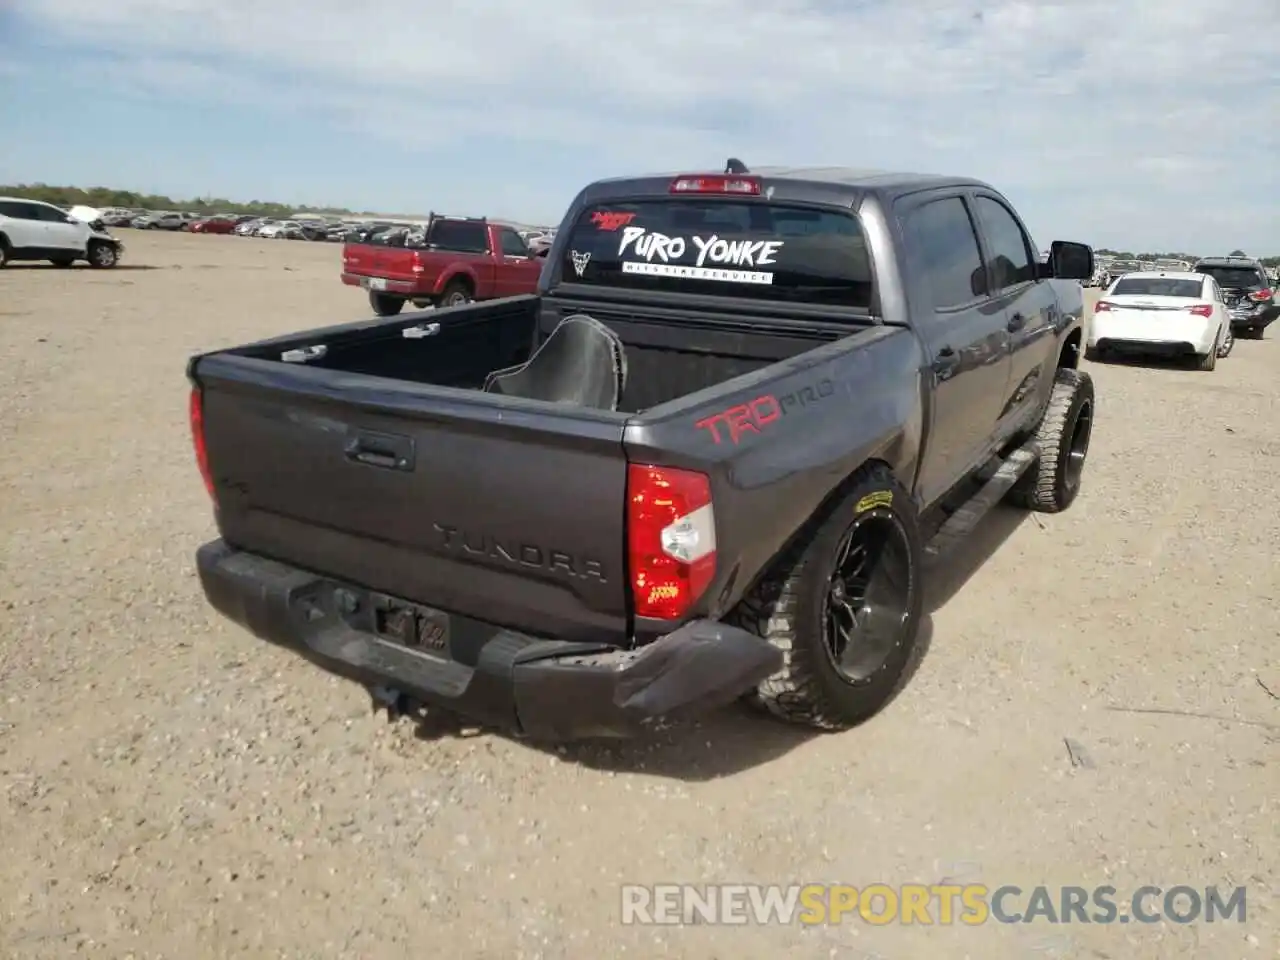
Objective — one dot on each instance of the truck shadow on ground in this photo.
(739, 737)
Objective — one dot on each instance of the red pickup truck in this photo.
(450, 261)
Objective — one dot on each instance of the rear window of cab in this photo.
(728, 248)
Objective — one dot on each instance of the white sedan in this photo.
(1169, 313)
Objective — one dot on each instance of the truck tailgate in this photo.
(370, 260)
(467, 502)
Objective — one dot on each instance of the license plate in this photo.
(414, 627)
(375, 283)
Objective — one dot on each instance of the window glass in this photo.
(944, 239)
(512, 245)
(1010, 253)
(1239, 278)
(1159, 287)
(723, 247)
(460, 236)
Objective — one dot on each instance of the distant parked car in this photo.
(1251, 302)
(163, 221)
(281, 230)
(1173, 314)
(219, 224)
(312, 229)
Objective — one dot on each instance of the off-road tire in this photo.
(1094, 355)
(385, 305)
(1045, 487)
(456, 293)
(786, 608)
(5, 252)
(102, 256)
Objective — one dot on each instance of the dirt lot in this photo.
(170, 787)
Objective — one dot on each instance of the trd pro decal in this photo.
(755, 415)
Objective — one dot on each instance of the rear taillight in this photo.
(197, 438)
(742, 186)
(671, 539)
(1261, 296)
(1202, 310)
(417, 263)
(1103, 306)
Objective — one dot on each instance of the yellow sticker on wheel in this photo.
(881, 498)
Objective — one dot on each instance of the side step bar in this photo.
(960, 524)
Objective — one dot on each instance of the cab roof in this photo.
(844, 185)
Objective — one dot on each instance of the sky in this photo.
(1131, 124)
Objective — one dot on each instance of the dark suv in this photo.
(1251, 301)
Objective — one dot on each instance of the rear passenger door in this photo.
(963, 329)
(1030, 306)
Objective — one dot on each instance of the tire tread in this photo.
(1038, 490)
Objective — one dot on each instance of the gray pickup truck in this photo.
(708, 459)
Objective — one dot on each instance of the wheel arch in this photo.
(1069, 355)
(457, 275)
(746, 577)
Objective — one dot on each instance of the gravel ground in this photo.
(170, 787)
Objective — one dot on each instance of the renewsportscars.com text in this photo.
(926, 904)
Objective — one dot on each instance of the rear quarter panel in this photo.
(440, 268)
(779, 443)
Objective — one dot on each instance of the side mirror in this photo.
(1070, 261)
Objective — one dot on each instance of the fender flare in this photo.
(453, 272)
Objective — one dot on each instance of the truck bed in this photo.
(375, 462)
(669, 355)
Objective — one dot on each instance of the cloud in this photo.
(1132, 102)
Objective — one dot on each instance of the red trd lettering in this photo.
(742, 419)
(765, 409)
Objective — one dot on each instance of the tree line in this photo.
(1181, 255)
(109, 197)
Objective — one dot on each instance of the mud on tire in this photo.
(1052, 483)
(792, 607)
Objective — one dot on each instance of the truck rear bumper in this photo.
(547, 689)
(406, 288)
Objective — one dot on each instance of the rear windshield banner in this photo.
(650, 253)
(724, 247)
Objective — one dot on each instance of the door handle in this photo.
(387, 450)
(1016, 323)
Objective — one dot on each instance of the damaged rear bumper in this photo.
(546, 689)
